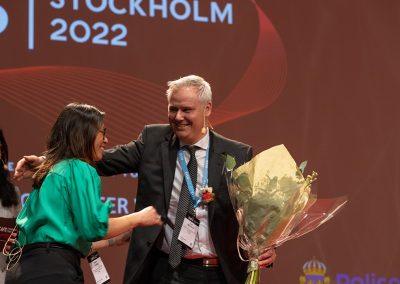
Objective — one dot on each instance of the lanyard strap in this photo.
(186, 175)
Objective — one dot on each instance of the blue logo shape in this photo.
(3, 19)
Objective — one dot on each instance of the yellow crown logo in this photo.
(314, 273)
(314, 267)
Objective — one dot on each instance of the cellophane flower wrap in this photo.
(273, 203)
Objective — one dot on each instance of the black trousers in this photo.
(45, 265)
(185, 273)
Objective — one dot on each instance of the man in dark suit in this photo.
(197, 243)
(212, 257)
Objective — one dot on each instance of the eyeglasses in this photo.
(103, 131)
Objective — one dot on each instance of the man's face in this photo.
(186, 114)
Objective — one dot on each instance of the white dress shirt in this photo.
(203, 246)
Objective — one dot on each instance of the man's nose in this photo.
(179, 115)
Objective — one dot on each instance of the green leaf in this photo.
(230, 162)
(243, 181)
(303, 166)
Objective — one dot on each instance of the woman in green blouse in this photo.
(64, 214)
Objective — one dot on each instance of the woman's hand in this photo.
(149, 217)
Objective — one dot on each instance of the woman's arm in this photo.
(146, 217)
(116, 241)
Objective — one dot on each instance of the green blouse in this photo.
(66, 209)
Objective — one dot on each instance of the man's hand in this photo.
(267, 258)
(25, 167)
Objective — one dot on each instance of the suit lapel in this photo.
(169, 153)
(216, 165)
(169, 149)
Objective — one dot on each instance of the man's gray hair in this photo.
(202, 86)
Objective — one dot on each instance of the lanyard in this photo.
(192, 191)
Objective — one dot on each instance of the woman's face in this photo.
(99, 144)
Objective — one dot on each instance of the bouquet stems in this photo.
(253, 276)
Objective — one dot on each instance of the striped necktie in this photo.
(185, 205)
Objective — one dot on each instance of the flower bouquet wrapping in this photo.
(273, 203)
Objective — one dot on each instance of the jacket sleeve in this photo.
(122, 158)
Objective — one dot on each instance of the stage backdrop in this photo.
(319, 76)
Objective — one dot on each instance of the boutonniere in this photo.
(207, 195)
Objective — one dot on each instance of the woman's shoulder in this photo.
(69, 166)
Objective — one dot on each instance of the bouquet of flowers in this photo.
(273, 203)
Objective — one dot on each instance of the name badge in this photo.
(98, 269)
(189, 230)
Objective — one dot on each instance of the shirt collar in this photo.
(203, 142)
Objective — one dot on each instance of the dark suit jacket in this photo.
(153, 156)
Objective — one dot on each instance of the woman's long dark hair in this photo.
(8, 195)
(72, 136)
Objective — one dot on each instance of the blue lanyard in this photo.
(186, 175)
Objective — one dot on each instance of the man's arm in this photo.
(121, 159)
(26, 166)
(117, 160)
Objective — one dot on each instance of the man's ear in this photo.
(207, 109)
